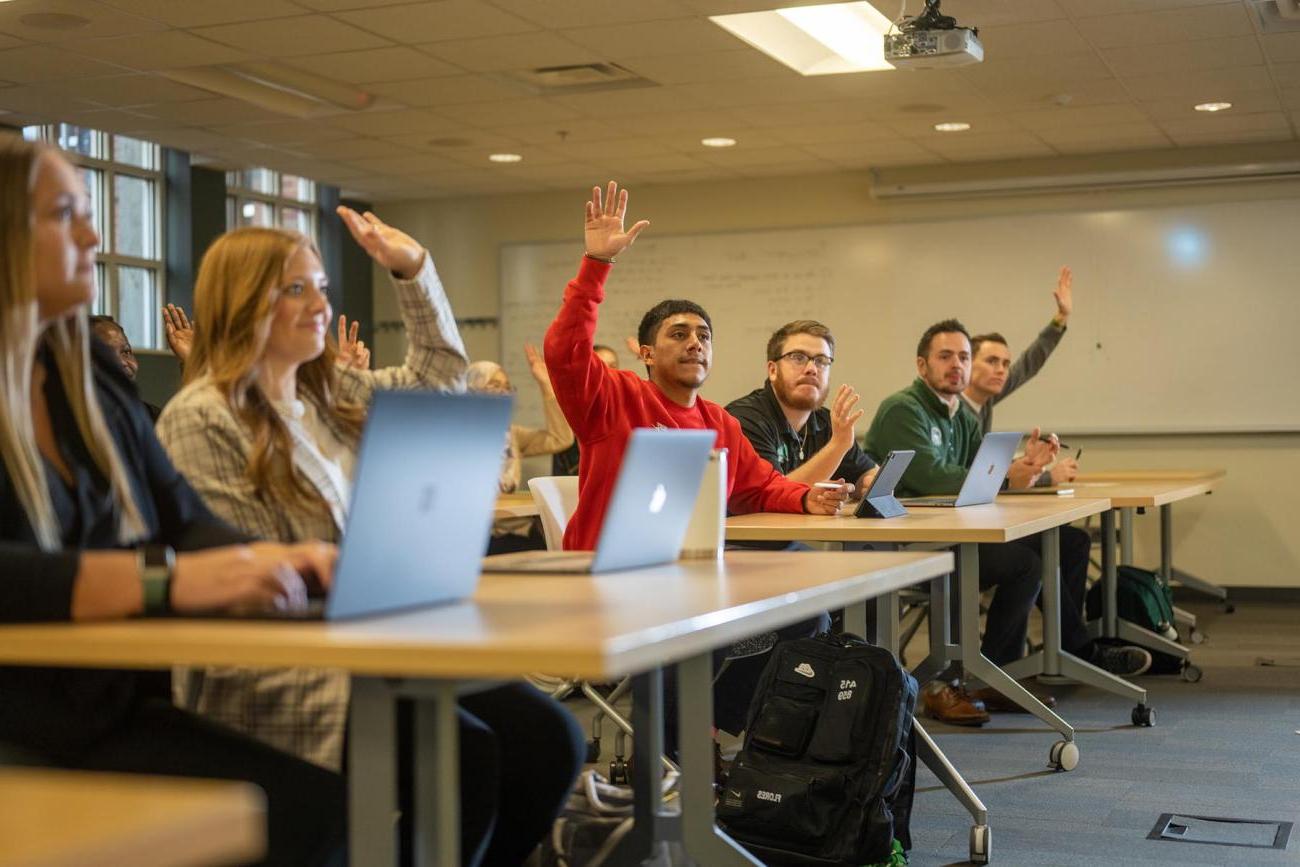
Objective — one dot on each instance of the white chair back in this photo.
(556, 498)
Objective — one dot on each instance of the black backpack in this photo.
(827, 770)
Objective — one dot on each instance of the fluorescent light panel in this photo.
(816, 40)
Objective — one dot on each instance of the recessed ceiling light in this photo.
(955, 126)
(505, 158)
(816, 40)
(719, 142)
(1213, 106)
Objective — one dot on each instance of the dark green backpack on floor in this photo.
(1143, 599)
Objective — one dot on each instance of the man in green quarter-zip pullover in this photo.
(929, 417)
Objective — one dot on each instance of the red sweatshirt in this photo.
(603, 407)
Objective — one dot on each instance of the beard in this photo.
(786, 394)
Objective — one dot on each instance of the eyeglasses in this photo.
(801, 359)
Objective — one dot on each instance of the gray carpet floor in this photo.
(1228, 746)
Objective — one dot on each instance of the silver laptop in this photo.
(985, 476)
(423, 497)
(645, 521)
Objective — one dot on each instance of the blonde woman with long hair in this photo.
(266, 429)
(95, 523)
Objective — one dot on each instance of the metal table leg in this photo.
(704, 842)
(1126, 535)
(942, 650)
(1169, 573)
(372, 773)
(928, 751)
(1052, 660)
(976, 663)
(436, 825)
(652, 827)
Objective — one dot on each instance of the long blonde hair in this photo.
(234, 300)
(68, 340)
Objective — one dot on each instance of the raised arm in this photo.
(556, 436)
(824, 464)
(435, 353)
(1027, 365)
(581, 379)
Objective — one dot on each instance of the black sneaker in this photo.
(1123, 660)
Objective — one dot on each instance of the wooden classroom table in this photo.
(591, 627)
(1129, 491)
(55, 818)
(515, 505)
(1007, 519)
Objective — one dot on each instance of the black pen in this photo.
(1048, 439)
(1079, 453)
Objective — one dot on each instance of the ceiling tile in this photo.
(650, 38)
(33, 63)
(196, 13)
(874, 131)
(1011, 41)
(217, 111)
(1093, 8)
(1090, 139)
(397, 63)
(742, 63)
(1032, 94)
(747, 156)
(290, 37)
(1281, 47)
(577, 13)
(1112, 144)
(1139, 60)
(132, 89)
(482, 141)
(404, 165)
(693, 125)
(791, 169)
(100, 20)
(382, 123)
(507, 112)
(174, 49)
(644, 100)
(871, 153)
(1287, 74)
(437, 22)
(1201, 85)
(663, 162)
(284, 134)
(1040, 72)
(1224, 122)
(1248, 102)
(1174, 25)
(513, 52)
(1070, 117)
(9, 41)
(356, 147)
(41, 100)
(810, 114)
(1232, 137)
(967, 146)
(574, 129)
(449, 90)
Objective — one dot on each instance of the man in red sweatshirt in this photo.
(604, 405)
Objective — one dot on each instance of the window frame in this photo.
(238, 195)
(107, 259)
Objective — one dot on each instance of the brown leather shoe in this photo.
(998, 703)
(952, 705)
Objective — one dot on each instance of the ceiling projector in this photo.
(932, 40)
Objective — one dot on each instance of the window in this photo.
(124, 178)
(262, 197)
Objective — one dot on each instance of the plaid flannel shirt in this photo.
(302, 711)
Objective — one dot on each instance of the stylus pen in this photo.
(1048, 439)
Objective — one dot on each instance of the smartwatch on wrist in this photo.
(157, 563)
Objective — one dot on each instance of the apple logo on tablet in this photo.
(657, 499)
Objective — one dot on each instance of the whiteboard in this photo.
(1185, 318)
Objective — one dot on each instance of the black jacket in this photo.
(769, 432)
(60, 711)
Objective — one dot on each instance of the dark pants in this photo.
(733, 691)
(306, 805)
(520, 753)
(1015, 569)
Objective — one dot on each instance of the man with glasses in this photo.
(785, 420)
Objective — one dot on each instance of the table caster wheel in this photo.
(1144, 716)
(1191, 673)
(1196, 636)
(593, 751)
(1064, 756)
(618, 774)
(981, 844)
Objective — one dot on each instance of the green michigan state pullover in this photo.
(945, 443)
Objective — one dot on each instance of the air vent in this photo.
(1277, 16)
(582, 78)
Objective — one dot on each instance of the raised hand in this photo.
(844, 416)
(1040, 452)
(537, 365)
(352, 352)
(180, 333)
(603, 231)
(391, 248)
(1063, 295)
